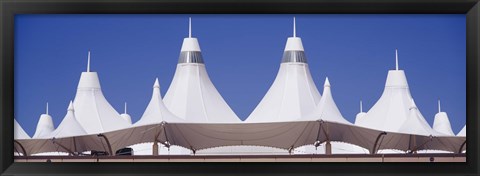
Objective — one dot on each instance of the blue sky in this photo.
(242, 54)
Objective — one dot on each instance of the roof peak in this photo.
(294, 27)
(327, 83)
(156, 84)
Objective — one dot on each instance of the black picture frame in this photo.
(8, 9)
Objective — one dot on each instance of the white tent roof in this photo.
(441, 123)
(192, 95)
(44, 125)
(391, 111)
(156, 111)
(463, 132)
(19, 133)
(360, 115)
(125, 116)
(293, 93)
(92, 110)
(416, 124)
(69, 125)
(327, 109)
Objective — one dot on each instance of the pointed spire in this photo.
(70, 106)
(396, 59)
(361, 106)
(439, 109)
(189, 27)
(46, 112)
(125, 111)
(156, 85)
(88, 62)
(294, 28)
(327, 83)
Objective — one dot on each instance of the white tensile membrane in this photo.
(361, 115)
(293, 93)
(192, 95)
(44, 125)
(68, 138)
(327, 110)
(441, 123)
(156, 113)
(125, 116)
(19, 133)
(392, 109)
(92, 110)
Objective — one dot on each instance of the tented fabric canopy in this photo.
(92, 110)
(192, 95)
(442, 125)
(19, 133)
(156, 112)
(327, 110)
(44, 126)
(293, 93)
(392, 109)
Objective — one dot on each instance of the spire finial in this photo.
(46, 112)
(396, 59)
(156, 85)
(439, 109)
(294, 27)
(327, 83)
(88, 62)
(189, 27)
(361, 106)
(125, 112)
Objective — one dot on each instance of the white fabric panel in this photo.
(292, 95)
(193, 97)
(327, 110)
(44, 126)
(92, 110)
(18, 132)
(156, 111)
(441, 124)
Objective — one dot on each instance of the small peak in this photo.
(88, 62)
(70, 106)
(294, 27)
(327, 83)
(396, 59)
(46, 112)
(156, 85)
(189, 27)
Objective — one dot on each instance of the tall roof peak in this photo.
(327, 83)
(46, 111)
(156, 84)
(125, 110)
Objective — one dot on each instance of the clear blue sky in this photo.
(242, 54)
